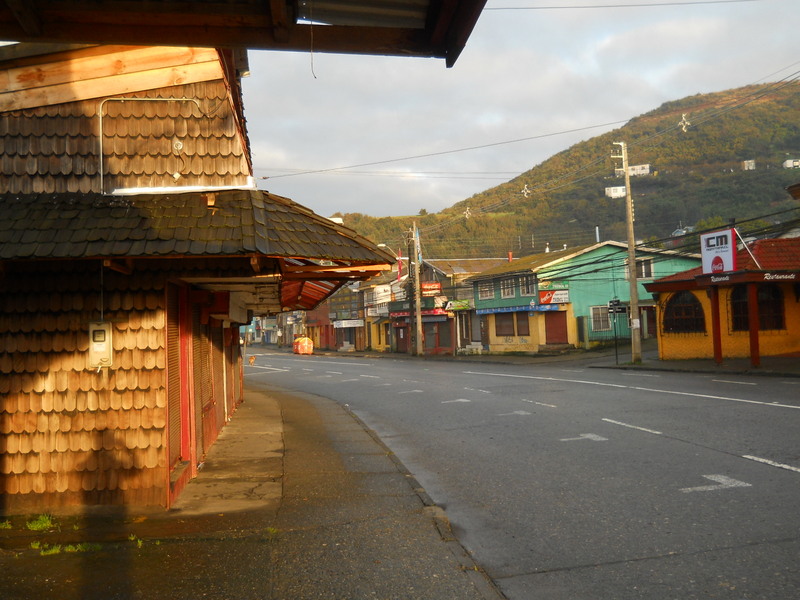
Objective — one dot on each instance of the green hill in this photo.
(696, 174)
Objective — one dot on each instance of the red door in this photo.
(555, 328)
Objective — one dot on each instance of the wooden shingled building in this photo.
(132, 245)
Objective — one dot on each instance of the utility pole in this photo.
(636, 337)
(419, 348)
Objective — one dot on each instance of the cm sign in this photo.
(718, 251)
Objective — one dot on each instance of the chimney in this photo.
(547, 247)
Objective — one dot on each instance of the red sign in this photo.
(431, 288)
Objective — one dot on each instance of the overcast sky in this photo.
(524, 73)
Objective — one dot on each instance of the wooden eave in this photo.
(441, 32)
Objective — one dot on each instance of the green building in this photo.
(561, 299)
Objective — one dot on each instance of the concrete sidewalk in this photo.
(296, 500)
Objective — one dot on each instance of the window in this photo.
(770, 308)
(486, 290)
(504, 324)
(527, 285)
(600, 319)
(644, 268)
(684, 314)
(507, 288)
(523, 326)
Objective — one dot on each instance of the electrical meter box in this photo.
(100, 348)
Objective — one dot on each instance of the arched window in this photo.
(770, 308)
(684, 314)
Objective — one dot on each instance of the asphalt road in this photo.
(565, 481)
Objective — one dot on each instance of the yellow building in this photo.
(752, 311)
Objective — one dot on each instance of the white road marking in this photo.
(540, 403)
(627, 374)
(722, 481)
(772, 463)
(267, 372)
(383, 384)
(730, 381)
(458, 400)
(308, 369)
(585, 436)
(348, 380)
(266, 368)
(572, 370)
(334, 372)
(653, 431)
(326, 362)
(516, 412)
(371, 376)
(411, 392)
(631, 387)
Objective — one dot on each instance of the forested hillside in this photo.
(695, 147)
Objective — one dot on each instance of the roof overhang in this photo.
(424, 28)
(301, 284)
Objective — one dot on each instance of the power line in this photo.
(444, 152)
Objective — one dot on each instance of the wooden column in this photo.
(752, 318)
(716, 332)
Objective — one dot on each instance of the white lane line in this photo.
(458, 400)
(572, 370)
(585, 436)
(631, 387)
(713, 397)
(539, 378)
(383, 384)
(334, 372)
(653, 431)
(325, 362)
(263, 368)
(540, 403)
(514, 413)
(411, 392)
(267, 372)
(723, 482)
(371, 376)
(730, 381)
(348, 380)
(308, 369)
(626, 374)
(772, 463)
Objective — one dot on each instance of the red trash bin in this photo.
(303, 345)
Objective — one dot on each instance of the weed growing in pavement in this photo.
(5, 524)
(137, 540)
(43, 522)
(49, 550)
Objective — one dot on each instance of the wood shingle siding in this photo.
(66, 431)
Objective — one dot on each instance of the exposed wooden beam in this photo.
(330, 38)
(120, 266)
(109, 86)
(25, 15)
(281, 22)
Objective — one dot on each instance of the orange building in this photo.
(752, 311)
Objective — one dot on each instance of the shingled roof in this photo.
(311, 250)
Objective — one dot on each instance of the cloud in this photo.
(522, 74)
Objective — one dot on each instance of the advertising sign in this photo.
(430, 288)
(554, 297)
(718, 251)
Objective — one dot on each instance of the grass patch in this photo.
(43, 522)
(50, 550)
(5, 524)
